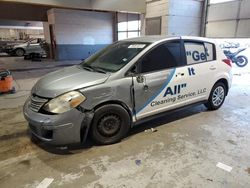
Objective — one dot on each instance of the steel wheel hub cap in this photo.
(218, 96)
(109, 125)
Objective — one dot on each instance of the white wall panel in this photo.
(243, 28)
(229, 19)
(245, 9)
(181, 25)
(179, 17)
(46, 32)
(157, 8)
(221, 29)
(223, 11)
(185, 17)
(81, 27)
(188, 8)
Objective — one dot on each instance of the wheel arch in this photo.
(19, 48)
(225, 82)
(85, 129)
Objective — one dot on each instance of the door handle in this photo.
(180, 74)
(142, 79)
(212, 68)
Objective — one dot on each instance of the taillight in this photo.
(227, 61)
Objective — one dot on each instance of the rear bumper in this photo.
(60, 129)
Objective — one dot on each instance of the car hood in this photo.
(67, 79)
(21, 45)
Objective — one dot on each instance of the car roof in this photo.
(150, 39)
(198, 38)
(153, 39)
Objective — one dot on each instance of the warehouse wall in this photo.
(185, 17)
(111, 5)
(157, 9)
(177, 17)
(229, 19)
(79, 34)
(119, 5)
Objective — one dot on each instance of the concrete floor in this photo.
(183, 152)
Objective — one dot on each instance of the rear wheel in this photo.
(19, 52)
(217, 96)
(110, 124)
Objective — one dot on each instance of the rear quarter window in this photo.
(198, 52)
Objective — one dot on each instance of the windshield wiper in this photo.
(89, 68)
(97, 69)
(94, 69)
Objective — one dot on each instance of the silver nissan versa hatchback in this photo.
(125, 83)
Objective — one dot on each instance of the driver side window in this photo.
(164, 56)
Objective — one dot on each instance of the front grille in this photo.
(33, 129)
(36, 103)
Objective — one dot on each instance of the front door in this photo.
(158, 74)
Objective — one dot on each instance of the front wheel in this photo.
(110, 124)
(19, 52)
(241, 61)
(217, 96)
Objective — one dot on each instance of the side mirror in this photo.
(130, 74)
(132, 71)
(140, 79)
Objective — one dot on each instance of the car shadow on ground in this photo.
(167, 118)
(164, 119)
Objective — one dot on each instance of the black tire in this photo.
(217, 96)
(110, 124)
(241, 61)
(19, 52)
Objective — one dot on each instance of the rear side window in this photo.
(165, 56)
(210, 52)
(198, 52)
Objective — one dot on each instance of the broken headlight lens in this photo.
(64, 102)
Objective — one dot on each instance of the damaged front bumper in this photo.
(59, 129)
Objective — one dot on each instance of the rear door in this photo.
(201, 68)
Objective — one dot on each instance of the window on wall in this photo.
(153, 26)
(129, 25)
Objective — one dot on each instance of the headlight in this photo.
(64, 102)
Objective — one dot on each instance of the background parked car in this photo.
(6, 46)
(27, 48)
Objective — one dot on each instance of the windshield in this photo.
(114, 57)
